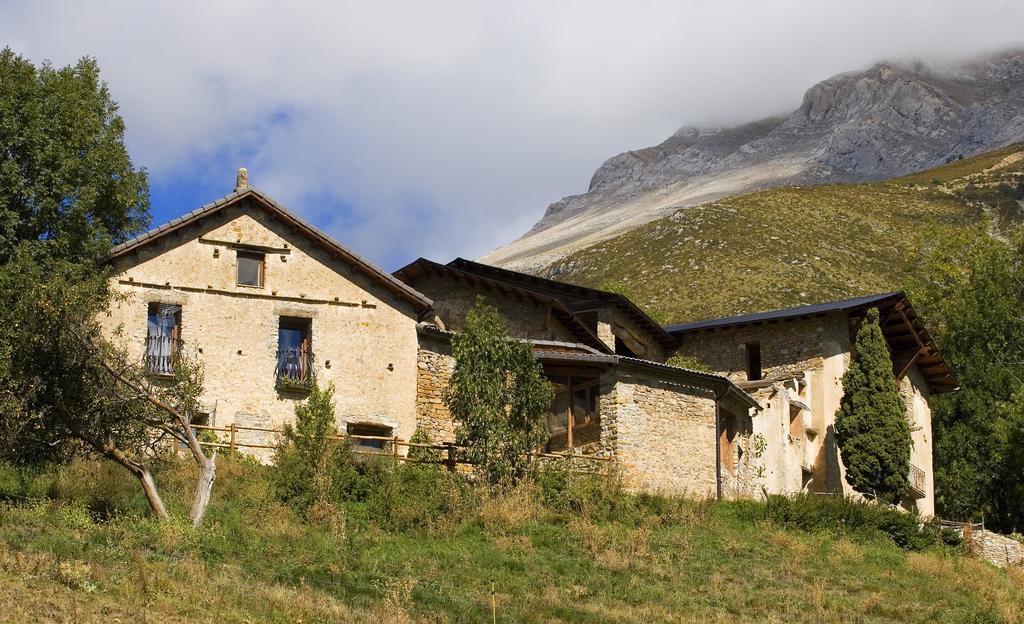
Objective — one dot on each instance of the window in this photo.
(572, 420)
(369, 438)
(163, 337)
(753, 350)
(250, 269)
(294, 353)
(796, 422)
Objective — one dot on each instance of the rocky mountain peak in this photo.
(888, 120)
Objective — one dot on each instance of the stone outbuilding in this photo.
(793, 360)
(666, 428)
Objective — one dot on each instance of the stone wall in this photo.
(363, 336)
(612, 323)
(434, 371)
(814, 350)
(664, 436)
(915, 394)
(804, 360)
(787, 348)
(997, 549)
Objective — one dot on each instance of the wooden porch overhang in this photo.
(910, 343)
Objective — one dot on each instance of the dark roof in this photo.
(903, 329)
(323, 240)
(787, 313)
(413, 271)
(576, 298)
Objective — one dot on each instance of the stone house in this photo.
(666, 428)
(268, 304)
(792, 362)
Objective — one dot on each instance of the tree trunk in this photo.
(156, 504)
(204, 487)
(152, 495)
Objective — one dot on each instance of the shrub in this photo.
(409, 497)
(311, 467)
(844, 515)
(498, 395)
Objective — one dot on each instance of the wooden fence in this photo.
(449, 452)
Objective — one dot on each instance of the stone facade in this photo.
(434, 371)
(617, 329)
(802, 365)
(665, 436)
(363, 336)
(660, 432)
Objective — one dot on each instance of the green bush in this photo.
(415, 497)
(312, 467)
(845, 515)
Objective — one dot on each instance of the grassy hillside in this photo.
(80, 549)
(789, 246)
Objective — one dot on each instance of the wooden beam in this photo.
(906, 367)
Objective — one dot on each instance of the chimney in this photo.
(242, 181)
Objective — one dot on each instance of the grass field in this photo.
(790, 246)
(80, 548)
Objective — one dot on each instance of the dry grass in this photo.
(646, 561)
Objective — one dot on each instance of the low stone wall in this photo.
(995, 548)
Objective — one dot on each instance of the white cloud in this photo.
(446, 127)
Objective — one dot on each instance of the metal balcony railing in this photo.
(161, 351)
(918, 486)
(295, 369)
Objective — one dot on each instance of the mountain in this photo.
(789, 246)
(887, 121)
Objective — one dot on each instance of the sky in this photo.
(445, 128)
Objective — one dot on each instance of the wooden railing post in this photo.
(394, 447)
(449, 462)
(232, 437)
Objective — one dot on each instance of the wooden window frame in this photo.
(251, 255)
(573, 385)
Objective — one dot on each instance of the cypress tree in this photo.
(871, 425)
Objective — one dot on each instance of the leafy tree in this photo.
(65, 175)
(498, 394)
(65, 389)
(312, 465)
(68, 190)
(871, 425)
(970, 295)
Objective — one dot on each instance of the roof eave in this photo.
(404, 291)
